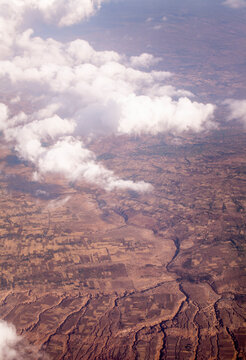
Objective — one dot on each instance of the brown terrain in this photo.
(89, 274)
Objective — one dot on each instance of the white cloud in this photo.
(149, 19)
(60, 12)
(28, 137)
(235, 4)
(68, 12)
(74, 90)
(3, 116)
(159, 114)
(144, 60)
(237, 110)
(70, 158)
(15, 347)
(158, 27)
(57, 203)
(15, 100)
(8, 341)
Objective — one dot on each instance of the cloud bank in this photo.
(235, 4)
(74, 90)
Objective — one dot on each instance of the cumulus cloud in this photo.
(159, 114)
(65, 155)
(70, 158)
(237, 110)
(144, 60)
(235, 4)
(29, 136)
(74, 90)
(61, 12)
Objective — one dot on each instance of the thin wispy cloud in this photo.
(236, 110)
(235, 4)
(8, 341)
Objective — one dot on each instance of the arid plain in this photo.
(90, 274)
